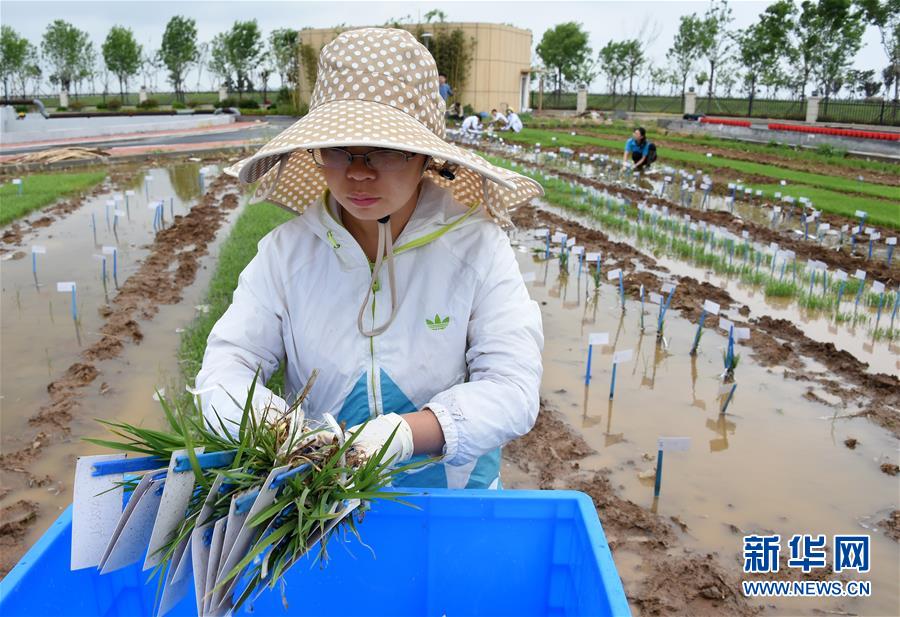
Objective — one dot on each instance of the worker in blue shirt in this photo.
(642, 152)
(444, 88)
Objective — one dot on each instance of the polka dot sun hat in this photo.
(377, 87)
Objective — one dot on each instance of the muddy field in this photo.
(808, 444)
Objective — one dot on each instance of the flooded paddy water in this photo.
(60, 374)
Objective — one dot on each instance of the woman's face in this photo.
(369, 194)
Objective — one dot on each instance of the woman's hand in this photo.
(416, 433)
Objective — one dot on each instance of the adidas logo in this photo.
(437, 323)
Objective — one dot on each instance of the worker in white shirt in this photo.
(513, 122)
(471, 128)
(497, 118)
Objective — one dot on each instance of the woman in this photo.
(396, 282)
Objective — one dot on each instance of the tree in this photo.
(634, 59)
(284, 48)
(202, 54)
(63, 48)
(863, 82)
(15, 51)
(714, 39)
(841, 27)
(761, 47)
(179, 51)
(122, 56)
(564, 48)
(885, 15)
(685, 48)
(235, 54)
(612, 63)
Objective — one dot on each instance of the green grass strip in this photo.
(824, 155)
(699, 161)
(39, 190)
(236, 252)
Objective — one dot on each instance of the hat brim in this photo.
(363, 123)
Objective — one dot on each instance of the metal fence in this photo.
(850, 111)
(886, 113)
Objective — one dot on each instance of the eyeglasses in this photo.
(378, 160)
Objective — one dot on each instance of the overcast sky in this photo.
(604, 20)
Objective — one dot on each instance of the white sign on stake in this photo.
(613, 274)
(109, 250)
(17, 181)
(840, 275)
(36, 248)
(874, 236)
(891, 241)
(745, 234)
(570, 242)
(577, 250)
(623, 356)
(824, 227)
(860, 274)
(592, 256)
(598, 338)
(129, 193)
(877, 287)
(558, 237)
(655, 298)
(541, 233)
(667, 287)
(711, 307)
(66, 286)
(860, 213)
(725, 324)
(741, 334)
(111, 203)
(674, 444)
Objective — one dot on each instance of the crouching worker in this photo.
(642, 152)
(395, 280)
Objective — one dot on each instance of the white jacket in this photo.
(466, 341)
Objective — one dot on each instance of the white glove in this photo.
(371, 437)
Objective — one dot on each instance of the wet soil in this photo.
(774, 343)
(169, 267)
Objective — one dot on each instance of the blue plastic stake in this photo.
(859, 291)
(107, 217)
(728, 398)
(74, 306)
(612, 385)
(34, 262)
(896, 305)
(729, 355)
(547, 249)
(103, 268)
(587, 373)
(840, 295)
(871, 243)
(824, 282)
(812, 281)
(697, 336)
(115, 264)
(880, 304)
(658, 483)
(890, 253)
(642, 308)
(172, 207)
(622, 290)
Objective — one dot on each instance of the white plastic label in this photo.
(118, 212)
(577, 250)
(874, 236)
(592, 256)
(860, 274)
(109, 250)
(570, 242)
(655, 298)
(613, 274)
(741, 334)
(623, 356)
(36, 248)
(558, 237)
(891, 241)
(129, 193)
(598, 338)
(840, 275)
(66, 286)
(725, 324)
(541, 233)
(667, 287)
(674, 444)
(711, 307)
(110, 203)
(877, 287)
(860, 213)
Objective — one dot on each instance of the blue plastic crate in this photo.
(462, 553)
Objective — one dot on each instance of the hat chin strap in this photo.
(385, 249)
(282, 160)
